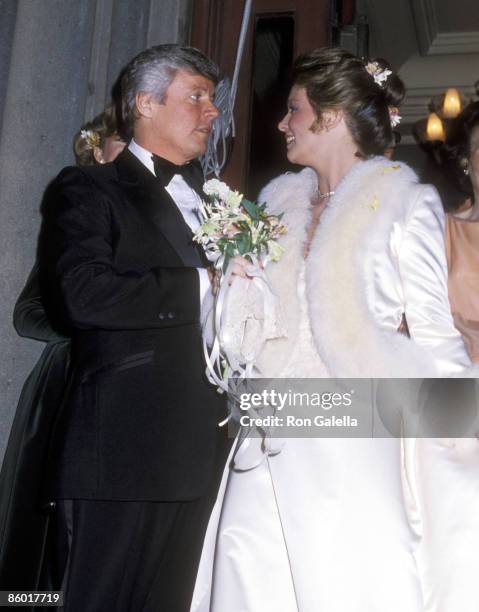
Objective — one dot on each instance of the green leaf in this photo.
(252, 209)
(225, 263)
(244, 243)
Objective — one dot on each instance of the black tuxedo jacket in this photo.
(117, 263)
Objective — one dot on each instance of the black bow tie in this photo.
(191, 172)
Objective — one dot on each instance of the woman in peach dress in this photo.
(462, 230)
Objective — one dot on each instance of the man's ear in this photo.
(331, 118)
(144, 104)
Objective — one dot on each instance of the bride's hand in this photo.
(238, 267)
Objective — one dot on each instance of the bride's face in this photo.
(298, 128)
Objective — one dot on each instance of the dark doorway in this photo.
(273, 56)
(278, 31)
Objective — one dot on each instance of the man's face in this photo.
(180, 125)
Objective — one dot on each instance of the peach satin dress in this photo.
(462, 250)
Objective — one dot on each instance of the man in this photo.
(136, 454)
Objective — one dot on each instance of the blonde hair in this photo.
(93, 134)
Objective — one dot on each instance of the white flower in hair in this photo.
(379, 75)
(91, 138)
(394, 116)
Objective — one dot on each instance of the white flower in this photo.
(217, 189)
(210, 228)
(91, 138)
(379, 76)
(234, 199)
(220, 191)
(256, 231)
(275, 250)
(394, 116)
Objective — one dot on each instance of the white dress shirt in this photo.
(185, 198)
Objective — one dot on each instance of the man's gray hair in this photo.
(154, 69)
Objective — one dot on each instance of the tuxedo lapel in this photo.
(171, 223)
(146, 193)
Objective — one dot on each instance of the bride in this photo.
(356, 525)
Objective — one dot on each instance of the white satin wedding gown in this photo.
(321, 526)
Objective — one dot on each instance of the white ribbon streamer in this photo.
(229, 359)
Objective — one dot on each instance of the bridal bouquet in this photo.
(233, 225)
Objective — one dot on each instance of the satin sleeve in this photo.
(423, 271)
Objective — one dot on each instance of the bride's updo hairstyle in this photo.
(336, 79)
